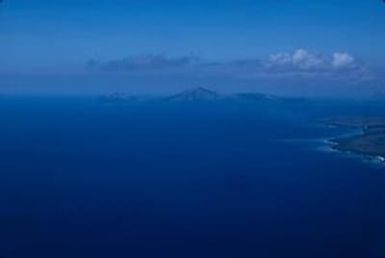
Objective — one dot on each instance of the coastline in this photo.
(363, 141)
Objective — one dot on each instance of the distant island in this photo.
(118, 98)
(194, 95)
(371, 140)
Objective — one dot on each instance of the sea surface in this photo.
(79, 179)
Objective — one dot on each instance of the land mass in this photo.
(370, 141)
(197, 95)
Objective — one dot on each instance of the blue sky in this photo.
(182, 42)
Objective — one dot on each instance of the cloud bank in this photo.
(308, 63)
(300, 63)
(144, 63)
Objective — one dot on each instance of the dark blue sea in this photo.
(84, 179)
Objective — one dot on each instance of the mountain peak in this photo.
(196, 94)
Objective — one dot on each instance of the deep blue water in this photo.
(81, 179)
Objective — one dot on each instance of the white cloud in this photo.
(306, 60)
(300, 59)
(305, 63)
(343, 60)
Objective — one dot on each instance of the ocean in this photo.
(80, 178)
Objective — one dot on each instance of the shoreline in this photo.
(362, 142)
